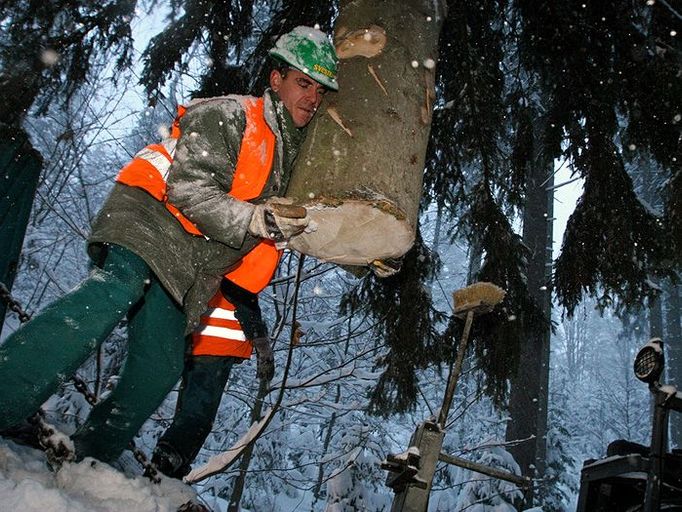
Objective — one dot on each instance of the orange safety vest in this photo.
(219, 332)
(149, 170)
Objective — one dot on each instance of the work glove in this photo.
(386, 268)
(265, 361)
(278, 220)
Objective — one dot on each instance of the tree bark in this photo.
(529, 387)
(360, 169)
(673, 341)
(655, 318)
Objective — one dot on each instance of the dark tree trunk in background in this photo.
(673, 341)
(655, 318)
(20, 166)
(528, 397)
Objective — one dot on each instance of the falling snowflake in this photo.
(49, 57)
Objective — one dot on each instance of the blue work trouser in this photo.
(203, 381)
(46, 351)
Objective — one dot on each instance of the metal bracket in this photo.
(403, 469)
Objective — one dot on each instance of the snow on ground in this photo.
(28, 485)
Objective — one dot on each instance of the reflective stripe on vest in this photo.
(149, 169)
(219, 332)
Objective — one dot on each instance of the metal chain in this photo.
(83, 389)
(149, 467)
(46, 432)
(13, 304)
(56, 451)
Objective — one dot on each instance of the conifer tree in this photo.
(46, 52)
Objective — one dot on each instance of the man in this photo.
(163, 241)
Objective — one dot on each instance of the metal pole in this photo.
(659, 442)
(455, 371)
(413, 495)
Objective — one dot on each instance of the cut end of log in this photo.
(366, 42)
(354, 232)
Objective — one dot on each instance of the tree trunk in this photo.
(360, 169)
(528, 398)
(673, 341)
(20, 165)
(655, 317)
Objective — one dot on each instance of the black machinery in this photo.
(633, 477)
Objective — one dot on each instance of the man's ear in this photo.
(275, 80)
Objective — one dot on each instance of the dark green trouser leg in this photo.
(156, 347)
(46, 351)
(203, 381)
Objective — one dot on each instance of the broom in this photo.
(477, 299)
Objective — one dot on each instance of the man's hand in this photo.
(386, 268)
(278, 220)
(265, 361)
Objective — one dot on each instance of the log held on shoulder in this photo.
(360, 169)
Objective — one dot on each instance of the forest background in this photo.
(529, 96)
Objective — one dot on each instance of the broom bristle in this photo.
(481, 296)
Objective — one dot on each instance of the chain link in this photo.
(150, 470)
(83, 389)
(149, 467)
(13, 304)
(56, 450)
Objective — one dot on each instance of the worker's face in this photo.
(300, 94)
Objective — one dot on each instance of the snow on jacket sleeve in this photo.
(203, 168)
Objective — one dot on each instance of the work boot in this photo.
(169, 462)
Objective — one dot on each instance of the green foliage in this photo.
(469, 118)
(612, 242)
(223, 31)
(497, 339)
(601, 62)
(217, 25)
(405, 320)
(48, 48)
(560, 479)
